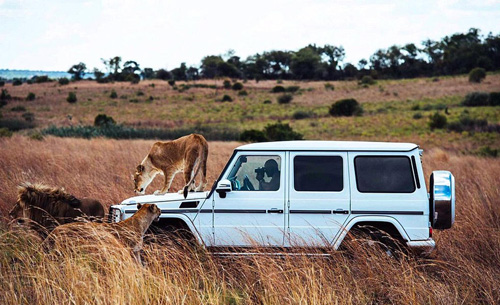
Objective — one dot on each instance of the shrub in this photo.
(476, 99)
(253, 135)
(476, 75)
(292, 89)
(5, 132)
(227, 98)
(2, 83)
(17, 82)
(139, 93)
(15, 124)
(134, 101)
(285, 99)
(63, 81)
(237, 86)
(5, 96)
(71, 98)
(102, 120)
(267, 102)
(367, 80)
(278, 89)
(113, 94)
(37, 136)
(18, 109)
(437, 121)
(487, 151)
(243, 93)
(417, 116)
(299, 115)
(31, 96)
(28, 116)
(346, 107)
(494, 99)
(227, 84)
(329, 86)
(466, 123)
(171, 82)
(42, 79)
(281, 132)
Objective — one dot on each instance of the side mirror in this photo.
(223, 187)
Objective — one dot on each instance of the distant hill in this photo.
(10, 74)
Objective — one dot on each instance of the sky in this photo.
(53, 35)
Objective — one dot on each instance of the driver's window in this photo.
(256, 173)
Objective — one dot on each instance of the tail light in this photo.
(430, 232)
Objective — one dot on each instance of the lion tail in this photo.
(198, 164)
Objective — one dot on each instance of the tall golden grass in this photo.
(464, 269)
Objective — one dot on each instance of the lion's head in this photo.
(143, 176)
(151, 209)
(18, 210)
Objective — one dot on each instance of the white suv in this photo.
(310, 193)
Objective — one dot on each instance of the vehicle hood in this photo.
(169, 197)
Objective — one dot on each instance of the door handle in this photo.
(275, 210)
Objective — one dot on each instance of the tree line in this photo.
(455, 54)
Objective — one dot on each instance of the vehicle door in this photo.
(319, 197)
(252, 213)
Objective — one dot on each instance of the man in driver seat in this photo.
(271, 170)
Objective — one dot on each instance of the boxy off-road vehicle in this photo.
(310, 193)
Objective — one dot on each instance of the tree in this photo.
(305, 63)
(78, 71)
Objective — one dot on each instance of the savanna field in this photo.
(464, 269)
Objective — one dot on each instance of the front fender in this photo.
(188, 222)
(358, 219)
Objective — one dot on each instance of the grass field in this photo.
(464, 269)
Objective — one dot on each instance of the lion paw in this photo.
(158, 192)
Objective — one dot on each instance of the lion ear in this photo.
(152, 208)
(139, 206)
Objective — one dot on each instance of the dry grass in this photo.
(465, 268)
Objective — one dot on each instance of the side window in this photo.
(256, 173)
(318, 173)
(384, 174)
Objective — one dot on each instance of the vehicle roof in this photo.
(329, 146)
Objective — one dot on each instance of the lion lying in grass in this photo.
(187, 154)
(129, 232)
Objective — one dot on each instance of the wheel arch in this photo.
(182, 222)
(384, 223)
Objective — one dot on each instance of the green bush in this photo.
(437, 121)
(281, 132)
(417, 116)
(227, 98)
(31, 96)
(278, 89)
(300, 115)
(243, 93)
(227, 84)
(487, 151)
(237, 86)
(285, 99)
(292, 89)
(367, 80)
(267, 102)
(346, 107)
(139, 93)
(63, 81)
(171, 82)
(476, 99)
(494, 99)
(5, 96)
(329, 86)
(102, 120)
(16, 124)
(42, 79)
(466, 123)
(476, 75)
(28, 116)
(17, 82)
(71, 98)
(18, 109)
(253, 135)
(2, 83)
(37, 136)
(113, 94)
(5, 133)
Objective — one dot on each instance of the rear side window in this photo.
(318, 174)
(384, 174)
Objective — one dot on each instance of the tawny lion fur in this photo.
(48, 207)
(129, 232)
(188, 154)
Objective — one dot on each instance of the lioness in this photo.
(188, 154)
(129, 232)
